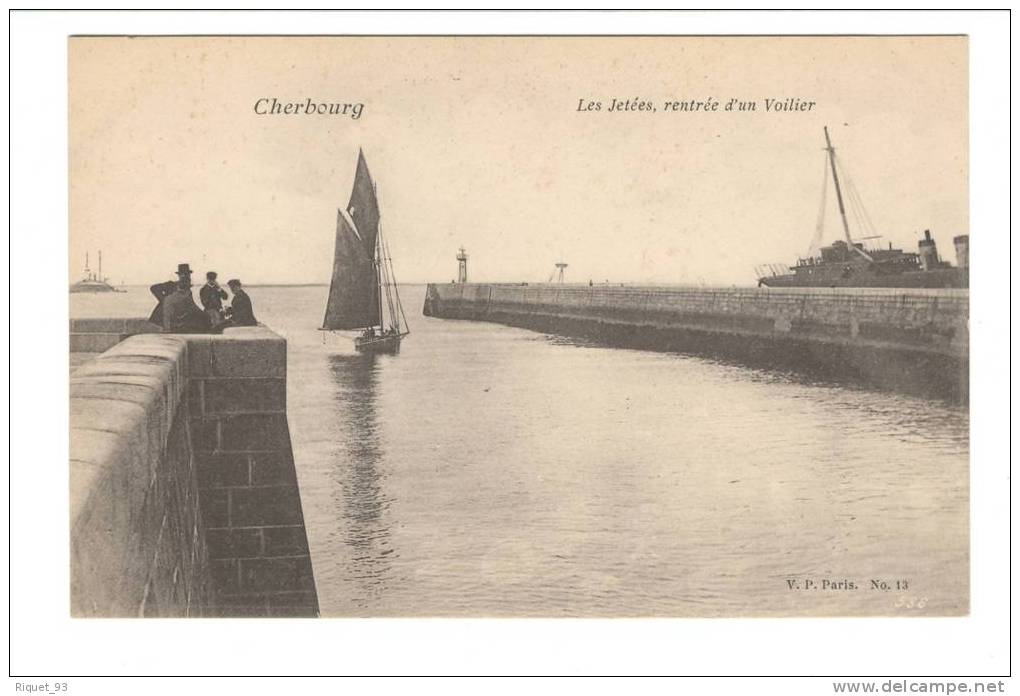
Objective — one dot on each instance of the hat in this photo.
(233, 281)
(211, 275)
(183, 269)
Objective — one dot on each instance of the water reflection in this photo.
(360, 476)
(816, 368)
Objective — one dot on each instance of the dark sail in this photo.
(354, 291)
(363, 206)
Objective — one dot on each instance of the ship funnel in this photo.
(928, 253)
(962, 244)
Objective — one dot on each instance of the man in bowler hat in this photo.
(180, 313)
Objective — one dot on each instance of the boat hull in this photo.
(938, 278)
(92, 286)
(378, 344)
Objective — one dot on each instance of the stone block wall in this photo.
(251, 504)
(921, 320)
(98, 335)
(184, 498)
(137, 543)
(910, 340)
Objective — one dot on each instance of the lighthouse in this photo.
(462, 266)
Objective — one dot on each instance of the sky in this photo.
(479, 142)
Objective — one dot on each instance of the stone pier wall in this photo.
(137, 543)
(98, 335)
(184, 498)
(248, 487)
(909, 340)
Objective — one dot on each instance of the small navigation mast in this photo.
(839, 196)
(462, 266)
(561, 266)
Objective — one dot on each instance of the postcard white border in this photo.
(45, 642)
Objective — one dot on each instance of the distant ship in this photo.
(363, 281)
(847, 264)
(93, 282)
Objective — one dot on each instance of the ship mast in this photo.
(839, 196)
(379, 277)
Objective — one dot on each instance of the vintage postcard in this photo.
(522, 326)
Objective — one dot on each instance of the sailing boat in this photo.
(363, 283)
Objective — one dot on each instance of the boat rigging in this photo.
(849, 264)
(363, 282)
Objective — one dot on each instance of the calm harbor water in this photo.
(493, 471)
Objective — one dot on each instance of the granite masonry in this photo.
(914, 341)
(184, 496)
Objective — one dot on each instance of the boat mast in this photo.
(839, 196)
(396, 308)
(378, 252)
(384, 270)
(378, 278)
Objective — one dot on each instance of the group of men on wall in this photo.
(178, 313)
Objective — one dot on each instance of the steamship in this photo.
(848, 264)
(93, 282)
